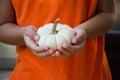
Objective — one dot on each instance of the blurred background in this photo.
(8, 54)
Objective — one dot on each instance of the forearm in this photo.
(12, 34)
(98, 25)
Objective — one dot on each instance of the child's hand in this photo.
(78, 43)
(30, 38)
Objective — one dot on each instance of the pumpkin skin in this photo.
(63, 35)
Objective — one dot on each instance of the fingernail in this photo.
(57, 53)
(65, 45)
(51, 51)
(75, 42)
(36, 37)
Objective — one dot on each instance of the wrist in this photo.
(22, 31)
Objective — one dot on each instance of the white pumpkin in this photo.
(54, 35)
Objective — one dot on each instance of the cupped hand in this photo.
(30, 38)
(78, 43)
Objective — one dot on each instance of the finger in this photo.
(47, 54)
(36, 37)
(75, 39)
(73, 48)
(64, 51)
(33, 46)
(80, 36)
(59, 54)
(31, 31)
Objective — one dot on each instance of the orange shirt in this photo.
(89, 64)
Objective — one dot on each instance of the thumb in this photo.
(36, 37)
(80, 36)
(30, 31)
(75, 39)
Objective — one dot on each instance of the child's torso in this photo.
(81, 66)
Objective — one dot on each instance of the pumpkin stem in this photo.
(54, 31)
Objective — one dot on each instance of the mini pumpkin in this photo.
(55, 34)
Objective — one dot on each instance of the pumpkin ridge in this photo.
(63, 37)
(55, 41)
(48, 29)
